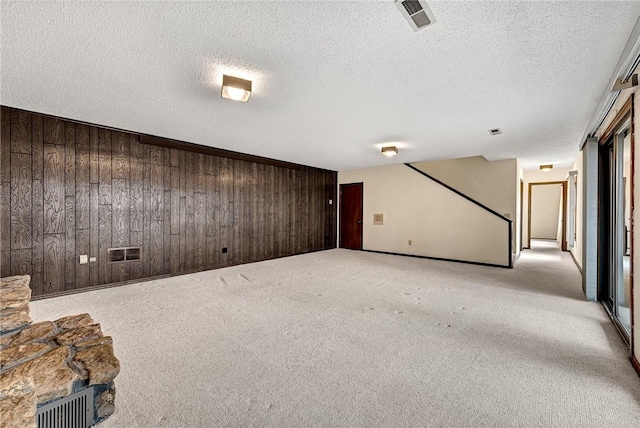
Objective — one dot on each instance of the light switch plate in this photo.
(84, 259)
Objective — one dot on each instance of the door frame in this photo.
(361, 183)
(624, 115)
(563, 244)
(521, 213)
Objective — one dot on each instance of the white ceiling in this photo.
(332, 80)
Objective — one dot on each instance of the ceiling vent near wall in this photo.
(416, 12)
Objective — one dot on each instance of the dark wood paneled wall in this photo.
(70, 189)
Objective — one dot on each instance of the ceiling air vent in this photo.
(416, 12)
(496, 131)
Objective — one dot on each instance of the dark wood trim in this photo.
(563, 244)
(100, 287)
(602, 232)
(510, 226)
(176, 144)
(459, 193)
(439, 259)
(631, 237)
(362, 221)
(521, 212)
(197, 148)
(75, 121)
(155, 278)
(623, 115)
(635, 364)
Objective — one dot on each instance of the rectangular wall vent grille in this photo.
(127, 254)
(73, 411)
(116, 255)
(132, 254)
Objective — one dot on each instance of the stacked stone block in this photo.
(49, 360)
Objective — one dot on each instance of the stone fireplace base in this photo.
(46, 361)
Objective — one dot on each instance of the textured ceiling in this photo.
(332, 80)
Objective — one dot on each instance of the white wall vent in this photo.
(416, 12)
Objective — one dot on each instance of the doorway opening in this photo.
(547, 211)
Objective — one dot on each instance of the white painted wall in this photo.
(439, 222)
(559, 223)
(627, 178)
(545, 204)
(492, 183)
(576, 250)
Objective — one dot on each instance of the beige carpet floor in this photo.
(345, 338)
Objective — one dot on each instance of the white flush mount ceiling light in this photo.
(416, 12)
(234, 88)
(389, 151)
(546, 168)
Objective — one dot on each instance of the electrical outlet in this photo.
(84, 259)
(224, 250)
(92, 259)
(410, 242)
(330, 201)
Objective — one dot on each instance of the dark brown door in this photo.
(351, 216)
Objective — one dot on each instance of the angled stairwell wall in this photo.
(439, 222)
(492, 183)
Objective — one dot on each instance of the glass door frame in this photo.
(610, 219)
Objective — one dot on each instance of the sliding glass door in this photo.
(615, 290)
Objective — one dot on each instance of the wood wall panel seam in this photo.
(70, 243)
(37, 137)
(53, 131)
(21, 201)
(53, 195)
(21, 128)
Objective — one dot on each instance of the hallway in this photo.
(350, 338)
(544, 268)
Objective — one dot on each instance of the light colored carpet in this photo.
(347, 338)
